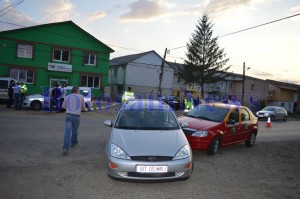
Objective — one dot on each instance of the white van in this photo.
(4, 83)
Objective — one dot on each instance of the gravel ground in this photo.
(31, 165)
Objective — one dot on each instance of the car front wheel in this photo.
(214, 146)
(35, 105)
(285, 118)
(251, 141)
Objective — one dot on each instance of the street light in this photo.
(243, 88)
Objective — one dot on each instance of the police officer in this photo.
(128, 95)
(23, 91)
(189, 101)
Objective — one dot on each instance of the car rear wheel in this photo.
(251, 141)
(214, 146)
(35, 105)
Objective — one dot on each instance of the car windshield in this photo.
(268, 109)
(146, 119)
(208, 112)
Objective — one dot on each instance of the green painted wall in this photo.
(44, 38)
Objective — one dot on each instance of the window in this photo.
(178, 80)
(61, 55)
(24, 51)
(252, 87)
(90, 81)
(89, 59)
(26, 76)
(271, 93)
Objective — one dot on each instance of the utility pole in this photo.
(162, 72)
(243, 87)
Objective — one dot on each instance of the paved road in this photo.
(31, 164)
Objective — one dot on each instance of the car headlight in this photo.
(266, 114)
(200, 134)
(184, 152)
(117, 152)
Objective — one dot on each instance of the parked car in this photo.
(274, 112)
(173, 102)
(210, 126)
(147, 144)
(4, 83)
(39, 101)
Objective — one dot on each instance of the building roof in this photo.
(284, 85)
(126, 59)
(123, 60)
(64, 22)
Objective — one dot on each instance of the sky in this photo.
(270, 51)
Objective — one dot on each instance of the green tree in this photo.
(205, 61)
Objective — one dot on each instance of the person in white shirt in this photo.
(74, 104)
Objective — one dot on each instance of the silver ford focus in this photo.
(146, 143)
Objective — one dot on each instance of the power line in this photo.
(249, 28)
(260, 25)
(10, 7)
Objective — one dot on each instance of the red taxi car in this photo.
(210, 126)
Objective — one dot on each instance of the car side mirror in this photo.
(184, 125)
(108, 123)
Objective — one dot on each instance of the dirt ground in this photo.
(31, 164)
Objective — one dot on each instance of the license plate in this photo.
(152, 169)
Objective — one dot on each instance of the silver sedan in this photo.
(147, 143)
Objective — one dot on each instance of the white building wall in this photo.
(145, 72)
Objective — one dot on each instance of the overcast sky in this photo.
(131, 26)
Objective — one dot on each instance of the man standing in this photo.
(17, 96)
(56, 94)
(128, 95)
(23, 91)
(10, 93)
(189, 102)
(73, 104)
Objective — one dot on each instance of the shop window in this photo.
(89, 59)
(25, 51)
(90, 81)
(61, 55)
(26, 76)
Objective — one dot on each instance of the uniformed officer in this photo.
(128, 95)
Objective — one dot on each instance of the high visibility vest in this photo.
(23, 88)
(128, 95)
(189, 104)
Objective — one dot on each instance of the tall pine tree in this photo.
(205, 61)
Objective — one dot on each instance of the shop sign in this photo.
(60, 67)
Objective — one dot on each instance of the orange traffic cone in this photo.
(268, 125)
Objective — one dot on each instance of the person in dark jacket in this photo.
(56, 94)
(10, 93)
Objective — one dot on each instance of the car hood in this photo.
(149, 142)
(197, 123)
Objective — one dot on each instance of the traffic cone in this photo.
(268, 125)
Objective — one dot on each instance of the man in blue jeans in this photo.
(73, 104)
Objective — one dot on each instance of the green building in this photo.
(48, 54)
